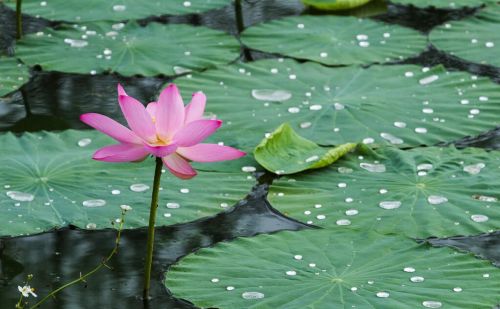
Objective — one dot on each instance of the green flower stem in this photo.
(101, 265)
(19, 20)
(151, 229)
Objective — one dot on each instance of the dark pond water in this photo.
(48, 102)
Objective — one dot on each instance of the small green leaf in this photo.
(286, 152)
(333, 5)
(320, 269)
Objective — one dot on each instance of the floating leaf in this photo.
(127, 49)
(325, 269)
(286, 152)
(95, 10)
(335, 40)
(474, 39)
(335, 4)
(418, 193)
(49, 181)
(444, 4)
(405, 105)
(13, 75)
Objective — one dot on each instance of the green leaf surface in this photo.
(127, 49)
(12, 75)
(335, 40)
(286, 152)
(49, 180)
(475, 39)
(418, 193)
(335, 4)
(116, 10)
(443, 4)
(319, 269)
(405, 105)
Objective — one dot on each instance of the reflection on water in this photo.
(486, 246)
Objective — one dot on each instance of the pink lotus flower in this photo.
(165, 129)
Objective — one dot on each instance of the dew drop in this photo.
(229, 288)
(321, 217)
(293, 110)
(298, 257)
(400, 124)
(139, 187)
(368, 140)
(361, 37)
(421, 130)
(94, 203)
(374, 168)
(409, 270)
(382, 191)
(432, 304)
(424, 166)
(338, 106)
(214, 280)
(173, 205)
(351, 212)
(489, 44)
(115, 192)
(315, 107)
(84, 142)
(343, 222)
(417, 279)
(248, 169)
(312, 159)
(20, 196)
(484, 198)
(271, 95)
(252, 295)
(341, 185)
(344, 170)
(364, 44)
(391, 138)
(429, 79)
(291, 273)
(427, 111)
(382, 294)
(184, 190)
(479, 218)
(390, 204)
(474, 169)
(436, 199)
(119, 8)
(457, 289)
(91, 226)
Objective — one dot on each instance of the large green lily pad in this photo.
(474, 39)
(286, 152)
(404, 105)
(12, 75)
(335, 40)
(418, 193)
(117, 10)
(127, 49)
(49, 181)
(444, 4)
(333, 269)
